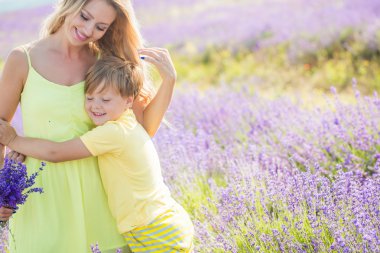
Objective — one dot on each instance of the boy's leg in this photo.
(172, 231)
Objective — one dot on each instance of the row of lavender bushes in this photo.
(269, 176)
(189, 25)
(262, 175)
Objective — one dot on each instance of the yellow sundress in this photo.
(72, 213)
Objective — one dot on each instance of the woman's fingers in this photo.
(158, 54)
(160, 58)
(154, 54)
(5, 213)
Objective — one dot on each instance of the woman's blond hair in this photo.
(122, 38)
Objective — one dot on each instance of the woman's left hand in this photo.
(160, 58)
(5, 213)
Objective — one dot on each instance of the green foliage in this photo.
(271, 69)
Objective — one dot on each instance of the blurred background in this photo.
(274, 46)
(260, 149)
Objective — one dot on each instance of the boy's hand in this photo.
(15, 156)
(160, 58)
(7, 133)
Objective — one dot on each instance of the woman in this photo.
(47, 78)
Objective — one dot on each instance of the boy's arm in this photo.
(42, 149)
(49, 150)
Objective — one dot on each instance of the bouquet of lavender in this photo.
(16, 185)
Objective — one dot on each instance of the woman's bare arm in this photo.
(12, 81)
(150, 117)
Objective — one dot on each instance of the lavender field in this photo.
(258, 148)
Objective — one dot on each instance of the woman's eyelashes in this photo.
(86, 18)
(102, 29)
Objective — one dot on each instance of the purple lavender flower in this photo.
(15, 184)
(15, 187)
(95, 249)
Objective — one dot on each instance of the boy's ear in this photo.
(128, 102)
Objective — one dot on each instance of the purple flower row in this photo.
(308, 26)
(269, 176)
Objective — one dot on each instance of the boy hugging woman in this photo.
(147, 216)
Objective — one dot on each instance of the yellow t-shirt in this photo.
(130, 171)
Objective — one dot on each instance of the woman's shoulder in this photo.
(19, 54)
(15, 69)
(19, 57)
(17, 60)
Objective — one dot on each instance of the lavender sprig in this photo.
(15, 187)
(95, 249)
(15, 184)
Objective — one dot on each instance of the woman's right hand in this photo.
(160, 58)
(5, 213)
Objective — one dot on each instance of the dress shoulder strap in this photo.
(26, 50)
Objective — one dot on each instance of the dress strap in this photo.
(27, 54)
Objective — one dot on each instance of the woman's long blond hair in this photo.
(122, 38)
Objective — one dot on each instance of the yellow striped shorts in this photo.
(172, 231)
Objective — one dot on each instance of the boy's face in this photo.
(106, 105)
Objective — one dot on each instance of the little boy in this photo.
(146, 215)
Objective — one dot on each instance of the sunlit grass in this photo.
(271, 71)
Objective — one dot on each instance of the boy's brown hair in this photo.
(112, 72)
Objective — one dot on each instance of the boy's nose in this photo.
(96, 104)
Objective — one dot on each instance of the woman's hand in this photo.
(161, 59)
(5, 213)
(7, 133)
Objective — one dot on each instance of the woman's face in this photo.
(91, 23)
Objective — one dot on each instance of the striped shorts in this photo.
(172, 231)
